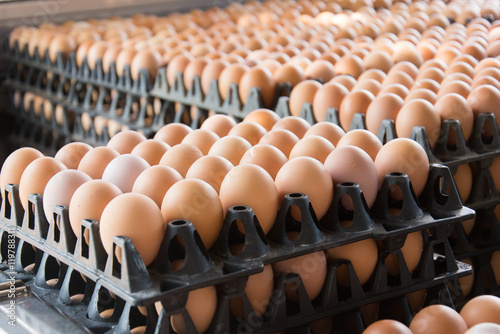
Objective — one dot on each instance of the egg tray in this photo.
(226, 269)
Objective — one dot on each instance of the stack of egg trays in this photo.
(136, 285)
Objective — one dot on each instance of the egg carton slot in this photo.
(484, 142)
(137, 285)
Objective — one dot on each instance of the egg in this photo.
(312, 146)
(181, 157)
(88, 202)
(151, 150)
(259, 77)
(155, 181)
(357, 101)
(363, 256)
(266, 156)
(252, 186)
(232, 74)
(412, 251)
(289, 73)
(95, 52)
(211, 169)
(265, 117)
(387, 326)
(315, 182)
(363, 139)
(295, 124)
(345, 80)
(123, 170)
(483, 99)
(282, 139)
(258, 289)
(95, 161)
(419, 112)
(312, 271)
(145, 59)
(302, 93)
(230, 147)
(61, 43)
(438, 319)
(36, 176)
(135, 216)
(320, 69)
(485, 327)
(329, 95)
(481, 309)
(173, 133)
(194, 69)
(201, 306)
(219, 124)
(201, 138)
(71, 154)
(125, 141)
(15, 164)
(404, 156)
(385, 106)
(250, 131)
(196, 201)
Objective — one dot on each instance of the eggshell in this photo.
(282, 139)
(437, 319)
(484, 99)
(295, 124)
(258, 77)
(363, 256)
(71, 154)
(251, 185)
(181, 157)
(125, 141)
(419, 112)
(231, 74)
(320, 69)
(193, 69)
(404, 156)
(329, 95)
(148, 59)
(412, 251)
(123, 170)
(363, 139)
(289, 72)
(36, 175)
(61, 43)
(15, 164)
(312, 271)
(201, 306)
(151, 150)
(258, 289)
(347, 81)
(124, 58)
(110, 57)
(220, 124)
(352, 164)
(196, 201)
(88, 202)
(315, 182)
(135, 216)
(95, 161)
(484, 328)
(266, 156)
(481, 309)
(351, 65)
(211, 169)
(457, 87)
(454, 106)
(95, 52)
(312, 146)
(250, 131)
(387, 326)
(230, 147)
(357, 101)
(201, 138)
(155, 181)
(385, 106)
(173, 133)
(331, 132)
(212, 71)
(265, 117)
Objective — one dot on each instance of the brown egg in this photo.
(211, 169)
(479, 81)
(412, 251)
(250, 131)
(230, 74)
(295, 124)
(220, 124)
(429, 84)
(351, 65)
(95, 52)
(148, 59)
(363, 139)
(151, 150)
(378, 59)
(329, 95)
(155, 181)
(282, 139)
(201, 138)
(81, 52)
(387, 326)
(418, 112)
(320, 69)
(36, 176)
(455, 86)
(173, 133)
(258, 77)
(345, 80)
(176, 65)
(484, 99)
(357, 101)
(399, 77)
(230, 147)
(15, 164)
(89, 201)
(71, 154)
(251, 185)
(454, 106)
(406, 156)
(95, 161)
(385, 106)
(310, 267)
(193, 69)
(197, 201)
(363, 256)
(374, 74)
(422, 93)
(437, 319)
(265, 117)
(395, 88)
(181, 157)
(266, 156)
(313, 146)
(125, 141)
(124, 57)
(432, 73)
(137, 217)
(289, 72)
(371, 85)
(302, 93)
(61, 43)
